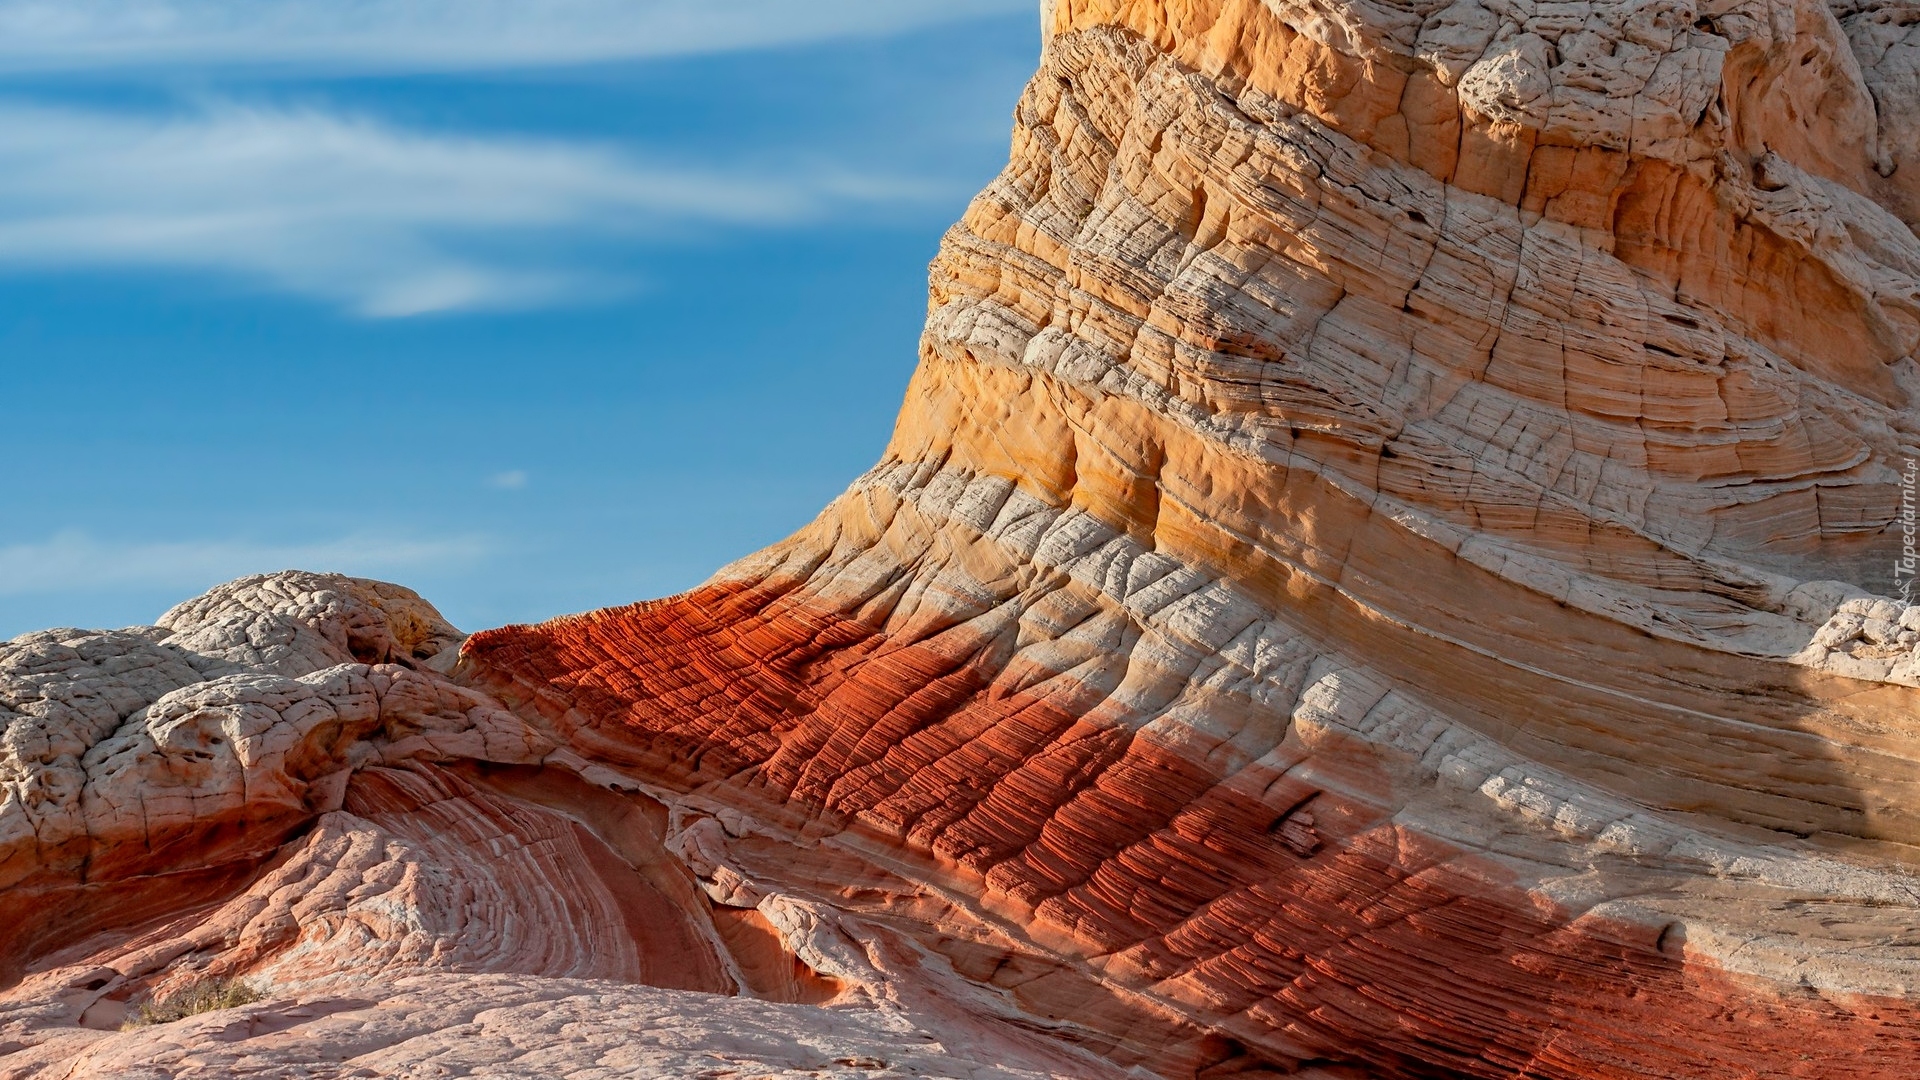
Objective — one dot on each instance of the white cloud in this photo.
(511, 480)
(436, 34)
(380, 219)
(77, 562)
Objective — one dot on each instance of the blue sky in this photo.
(533, 306)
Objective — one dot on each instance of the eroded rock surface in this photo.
(1384, 570)
(278, 786)
(1388, 556)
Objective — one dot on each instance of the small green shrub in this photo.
(193, 999)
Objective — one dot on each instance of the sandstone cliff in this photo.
(1385, 569)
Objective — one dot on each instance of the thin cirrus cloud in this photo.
(389, 35)
(378, 219)
(75, 562)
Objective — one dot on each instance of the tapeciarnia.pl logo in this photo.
(1905, 565)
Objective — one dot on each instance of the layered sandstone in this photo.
(1385, 569)
(279, 785)
(1387, 556)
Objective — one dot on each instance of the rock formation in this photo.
(279, 785)
(1386, 568)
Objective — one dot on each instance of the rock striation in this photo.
(1388, 556)
(1387, 568)
(279, 786)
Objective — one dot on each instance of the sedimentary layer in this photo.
(1387, 567)
(1389, 554)
(277, 794)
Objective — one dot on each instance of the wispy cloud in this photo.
(511, 480)
(380, 219)
(437, 34)
(78, 562)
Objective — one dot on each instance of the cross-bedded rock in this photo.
(279, 789)
(1389, 552)
(1386, 569)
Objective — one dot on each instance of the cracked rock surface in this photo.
(279, 786)
(1388, 556)
(1385, 569)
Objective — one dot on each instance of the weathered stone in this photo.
(1382, 571)
(1383, 557)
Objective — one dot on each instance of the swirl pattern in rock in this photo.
(1386, 569)
(1387, 558)
(279, 790)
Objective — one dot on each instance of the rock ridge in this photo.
(1384, 570)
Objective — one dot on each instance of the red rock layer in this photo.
(1381, 555)
(1331, 933)
(235, 850)
(421, 872)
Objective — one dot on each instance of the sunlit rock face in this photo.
(1387, 561)
(1386, 569)
(278, 789)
